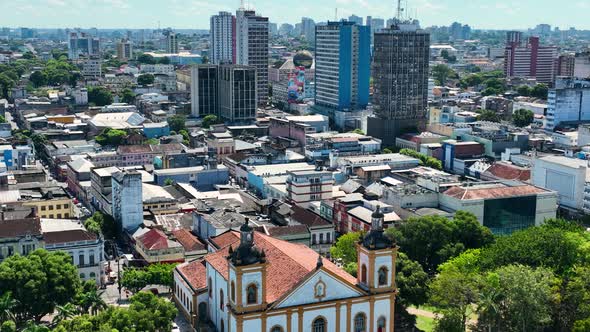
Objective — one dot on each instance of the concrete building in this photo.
(85, 248)
(82, 44)
(304, 187)
(124, 49)
(241, 88)
(567, 176)
(252, 278)
(342, 66)
(582, 65)
(127, 203)
(204, 179)
(308, 29)
(529, 60)
(252, 48)
(204, 90)
(400, 73)
(92, 68)
(503, 206)
(222, 36)
(171, 42)
(568, 102)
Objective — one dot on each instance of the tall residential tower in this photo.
(222, 38)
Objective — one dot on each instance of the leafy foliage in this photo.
(522, 117)
(344, 249)
(488, 115)
(145, 79)
(111, 137)
(177, 123)
(441, 73)
(209, 120)
(424, 159)
(99, 96)
(38, 283)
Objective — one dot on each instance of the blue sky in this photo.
(487, 14)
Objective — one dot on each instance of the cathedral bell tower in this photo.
(376, 258)
(247, 273)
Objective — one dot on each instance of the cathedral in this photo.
(252, 282)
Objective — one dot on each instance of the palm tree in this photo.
(64, 312)
(92, 301)
(7, 305)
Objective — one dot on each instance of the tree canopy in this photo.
(177, 123)
(488, 115)
(424, 159)
(99, 96)
(522, 117)
(110, 136)
(145, 79)
(209, 120)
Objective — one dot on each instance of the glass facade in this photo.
(507, 215)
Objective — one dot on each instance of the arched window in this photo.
(221, 299)
(364, 274)
(360, 322)
(383, 276)
(276, 328)
(92, 275)
(210, 288)
(252, 294)
(319, 325)
(381, 324)
(233, 292)
(82, 276)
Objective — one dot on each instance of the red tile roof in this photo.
(188, 240)
(288, 264)
(195, 273)
(154, 239)
(508, 172)
(68, 236)
(491, 192)
(225, 240)
(307, 217)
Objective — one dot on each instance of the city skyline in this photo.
(501, 15)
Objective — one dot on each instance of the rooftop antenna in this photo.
(399, 10)
(242, 4)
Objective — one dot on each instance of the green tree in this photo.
(8, 326)
(574, 304)
(344, 249)
(524, 90)
(6, 83)
(99, 96)
(2, 119)
(144, 305)
(357, 131)
(169, 182)
(177, 123)
(209, 120)
(90, 299)
(488, 115)
(110, 136)
(524, 298)
(164, 60)
(411, 281)
(38, 78)
(135, 279)
(441, 73)
(7, 306)
(145, 79)
(127, 96)
(146, 59)
(387, 150)
(540, 91)
(64, 312)
(38, 282)
(522, 117)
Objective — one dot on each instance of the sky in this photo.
(194, 14)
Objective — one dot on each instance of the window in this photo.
(91, 258)
(233, 292)
(59, 216)
(50, 207)
(276, 328)
(210, 288)
(321, 238)
(313, 239)
(51, 216)
(319, 325)
(252, 294)
(43, 208)
(66, 206)
(360, 322)
(58, 207)
(221, 300)
(383, 276)
(82, 276)
(92, 275)
(364, 274)
(381, 324)
(81, 259)
(328, 236)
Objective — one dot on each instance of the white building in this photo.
(569, 102)
(171, 42)
(92, 68)
(157, 68)
(567, 176)
(85, 248)
(537, 108)
(80, 96)
(304, 187)
(124, 49)
(264, 284)
(127, 202)
(221, 38)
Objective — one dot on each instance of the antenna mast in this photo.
(399, 10)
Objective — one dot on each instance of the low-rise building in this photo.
(154, 246)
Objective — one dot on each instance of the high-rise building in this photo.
(565, 64)
(127, 199)
(92, 68)
(222, 37)
(124, 49)
(308, 29)
(530, 59)
(252, 48)
(355, 19)
(228, 91)
(286, 29)
(238, 88)
(273, 29)
(582, 65)
(343, 66)
(204, 83)
(568, 102)
(26, 33)
(171, 42)
(400, 81)
(81, 43)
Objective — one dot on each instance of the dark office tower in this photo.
(400, 81)
(237, 93)
(204, 92)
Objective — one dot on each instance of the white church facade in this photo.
(259, 283)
